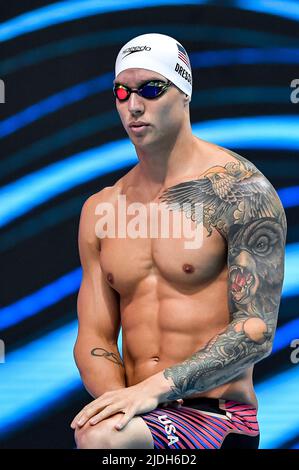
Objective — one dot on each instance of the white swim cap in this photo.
(159, 53)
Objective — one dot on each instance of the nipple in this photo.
(188, 268)
(110, 278)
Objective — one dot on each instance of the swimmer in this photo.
(195, 320)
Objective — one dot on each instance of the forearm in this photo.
(225, 357)
(100, 366)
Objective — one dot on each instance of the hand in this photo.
(132, 401)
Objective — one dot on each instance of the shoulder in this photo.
(256, 203)
(231, 191)
(240, 170)
(89, 207)
(93, 206)
(108, 194)
(251, 182)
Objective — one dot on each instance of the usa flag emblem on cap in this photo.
(182, 54)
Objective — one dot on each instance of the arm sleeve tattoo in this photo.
(243, 206)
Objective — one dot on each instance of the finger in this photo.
(108, 411)
(125, 420)
(88, 412)
(77, 418)
(73, 423)
(179, 403)
(91, 409)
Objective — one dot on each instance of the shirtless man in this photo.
(194, 321)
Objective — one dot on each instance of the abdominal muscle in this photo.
(151, 345)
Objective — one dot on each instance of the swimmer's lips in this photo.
(241, 282)
(138, 123)
(138, 126)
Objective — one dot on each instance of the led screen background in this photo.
(62, 140)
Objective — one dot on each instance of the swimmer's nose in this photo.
(135, 103)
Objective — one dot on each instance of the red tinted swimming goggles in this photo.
(149, 90)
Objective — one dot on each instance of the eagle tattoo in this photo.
(234, 192)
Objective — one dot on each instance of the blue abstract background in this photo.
(62, 140)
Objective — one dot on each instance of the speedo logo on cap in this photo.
(183, 72)
(131, 50)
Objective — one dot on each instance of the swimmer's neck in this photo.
(166, 161)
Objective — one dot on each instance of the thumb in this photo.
(178, 403)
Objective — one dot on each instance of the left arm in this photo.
(255, 267)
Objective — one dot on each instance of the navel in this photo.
(156, 358)
(188, 268)
(110, 278)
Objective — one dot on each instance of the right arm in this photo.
(96, 352)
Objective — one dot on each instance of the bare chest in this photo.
(182, 256)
